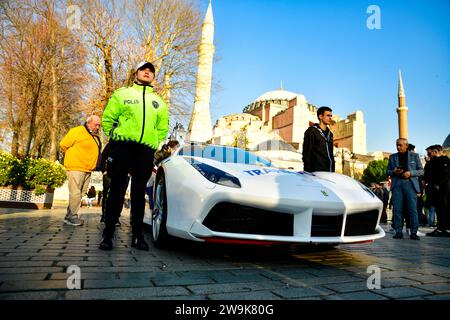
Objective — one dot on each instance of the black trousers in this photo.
(441, 204)
(127, 157)
(106, 183)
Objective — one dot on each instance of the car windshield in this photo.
(224, 154)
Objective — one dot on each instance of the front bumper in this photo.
(232, 221)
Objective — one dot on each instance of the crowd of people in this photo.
(380, 190)
(417, 195)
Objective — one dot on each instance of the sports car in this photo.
(223, 194)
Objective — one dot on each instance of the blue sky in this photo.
(324, 50)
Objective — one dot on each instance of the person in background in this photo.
(437, 178)
(404, 167)
(384, 197)
(81, 147)
(91, 196)
(318, 144)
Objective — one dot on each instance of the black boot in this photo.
(139, 243)
(106, 244)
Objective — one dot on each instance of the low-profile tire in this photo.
(160, 237)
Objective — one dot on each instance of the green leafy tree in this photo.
(375, 172)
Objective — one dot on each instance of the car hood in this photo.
(290, 184)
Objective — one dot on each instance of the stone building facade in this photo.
(281, 117)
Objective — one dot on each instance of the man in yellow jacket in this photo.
(81, 147)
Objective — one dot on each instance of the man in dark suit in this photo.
(404, 168)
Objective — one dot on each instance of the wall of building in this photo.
(350, 132)
(283, 122)
(289, 120)
(303, 116)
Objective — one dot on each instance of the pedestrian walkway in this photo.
(37, 251)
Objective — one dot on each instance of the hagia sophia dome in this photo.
(279, 94)
(446, 144)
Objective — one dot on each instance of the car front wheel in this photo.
(160, 236)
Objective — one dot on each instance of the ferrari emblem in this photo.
(324, 193)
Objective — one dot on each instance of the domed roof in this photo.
(277, 95)
(446, 144)
(274, 145)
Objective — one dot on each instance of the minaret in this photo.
(200, 125)
(402, 110)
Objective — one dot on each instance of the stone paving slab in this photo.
(398, 282)
(171, 280)
(347, 287)
(116, 283)
(228, 277)
(40, 295)
(402, 292)
(139, 275)
(302, 292)
(365, 295)
(440, 288)
(84, 276)
(23, 276)
(25, 264)
(126, 294)
(31, 270)
(438, 297)
(314, 281)
(254, 295)
(235, 287)
(286, 274)
(191, 297)
(31, 285)
(427, 278)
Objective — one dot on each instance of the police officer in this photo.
(137, 120)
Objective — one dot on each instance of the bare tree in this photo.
(12, 39)
(36, 53)
(52, 76)
(169, 32)
(101, 29)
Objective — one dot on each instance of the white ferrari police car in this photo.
(229, 195)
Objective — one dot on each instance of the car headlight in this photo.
(367, 189)
(215, 175)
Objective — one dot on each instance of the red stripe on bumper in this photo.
(239, 241)
(360, 242)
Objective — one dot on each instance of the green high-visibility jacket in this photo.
(140, 114)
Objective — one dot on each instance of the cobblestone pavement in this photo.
(37, 250)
